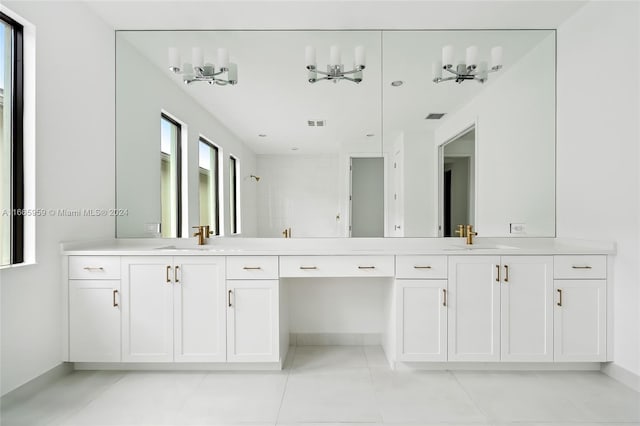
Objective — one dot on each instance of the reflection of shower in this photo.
(257, 178)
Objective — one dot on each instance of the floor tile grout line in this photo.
(488, 419)
(373, 387)
(286, 382)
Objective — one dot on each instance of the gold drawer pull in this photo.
(308, 267)
(444, 297)
(168, 269)
(506, 273)
(559, 297)
(497, 273)
(422, 267)
(366, 267)
(93, 268)
(115, 304)
(581, 267)
(251, 268)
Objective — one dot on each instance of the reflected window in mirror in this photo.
(170, 173)
(234, 195)
(208, 185)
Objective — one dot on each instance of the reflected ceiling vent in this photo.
(316, 123)
(435, 116)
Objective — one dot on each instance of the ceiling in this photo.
(349, 14)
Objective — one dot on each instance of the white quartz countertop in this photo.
(335, 246)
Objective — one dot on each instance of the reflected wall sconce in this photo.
(257, 178)
(335, 69)
(471, 69)
(225, 73)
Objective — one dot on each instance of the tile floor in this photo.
(323, 385)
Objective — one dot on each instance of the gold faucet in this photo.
(203, 232)
(470, 234)
(287, 233)
(461, 231)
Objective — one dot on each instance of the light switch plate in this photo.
(517, 228)
(152, 228)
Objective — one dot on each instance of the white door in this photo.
(474, 308)
(422, 320)
(526, 309)
(199, 309)
(252, 321)
(147, 309)
(94, 320)
(580, 320)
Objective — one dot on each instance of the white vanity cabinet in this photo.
(421, 308)
(500, 308)
(253, 314)
(580, 308)
(94, 308)
(173, 309)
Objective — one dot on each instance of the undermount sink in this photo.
(473, 247)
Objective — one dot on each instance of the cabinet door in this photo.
(474, 308)
(422, 320)
(252, 321)
(199, 309)
(526, 309)
(147, 309)
(580, 320)
(94, 321)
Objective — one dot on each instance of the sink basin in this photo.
(475, 247)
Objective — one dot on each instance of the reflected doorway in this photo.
(457, 182)
(366, 197)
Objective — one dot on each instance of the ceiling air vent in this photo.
(435, 116)
(316, 123)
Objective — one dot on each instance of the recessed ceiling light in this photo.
(295, 148)
(397, 83)
(262, 135)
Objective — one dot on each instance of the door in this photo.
(147, 309)
(580, 320)
(422, 320)
(199, 309)
(526, 308)
(474, 308)
(94, 320)
(252, 321)
(367, 197)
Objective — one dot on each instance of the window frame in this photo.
(17, 187)
(167, 117)
(216, 190)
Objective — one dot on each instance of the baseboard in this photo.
(35, 385)
(622, 375)
(335, 339)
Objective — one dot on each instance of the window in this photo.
(170, 174)
(208, 185)
(234, 195)
(11, 142)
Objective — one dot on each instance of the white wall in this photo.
(74, 169)
(140, 102)
(598, 185)
(515, 146)
(298, 192)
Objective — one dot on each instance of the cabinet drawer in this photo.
(336, 266)
(421, 267)
(94, 267)
(252, 267)
(580, 267)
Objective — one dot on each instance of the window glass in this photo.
(233, 195)
(170, 177)
(208, 186)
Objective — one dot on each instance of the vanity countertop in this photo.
(335, 246)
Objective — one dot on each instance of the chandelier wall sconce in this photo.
(468, 70)
(225, 73)
(335, 69)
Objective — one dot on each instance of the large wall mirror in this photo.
(395, 155)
